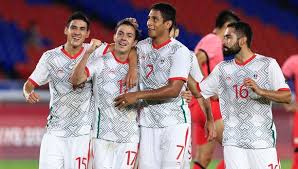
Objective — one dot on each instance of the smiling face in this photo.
(156, 25)
(125, 38)
(231, 42)
(76, 32)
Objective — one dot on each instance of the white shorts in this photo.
(64, 153)
(113, 155)
(165, 148)
(236, 158)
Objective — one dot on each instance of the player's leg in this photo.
(77, 151)
(125, 156)
(236, 158)
(263, 158)
(103, 154)
(295, 141)
(149, 152)
(51, 152)
(175, 145)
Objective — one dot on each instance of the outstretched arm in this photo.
(171, 90)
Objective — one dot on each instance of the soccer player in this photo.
(209, 53)
(116, 131)
(65, 143)
(290, 71)
(164, 116)
(246, 86)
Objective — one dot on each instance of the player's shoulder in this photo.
(211, 37)
(264, 58)
(178, 45)
(144, 43)
(49, 54)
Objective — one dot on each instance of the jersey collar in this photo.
(69, 55)
(246, 62)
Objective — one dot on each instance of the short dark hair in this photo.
(242, 29)
(130, 22)
(79, 16)
(226, 16)
(168, 12)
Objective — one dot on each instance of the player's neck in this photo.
(121, 56)
(72, 50)
(158, 41)
(219, 32)
(244, 55)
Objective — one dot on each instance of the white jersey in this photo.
(247, 117)
(70, 110)
(195, 71)
(158, 65)
(112, 124)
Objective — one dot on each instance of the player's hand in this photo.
(94, 44)
(248, 82)
(187, 95)
(131, 77)
(291, 107)
(125, 100)
(211, 131)
(32, 97)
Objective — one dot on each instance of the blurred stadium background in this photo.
(29, 27)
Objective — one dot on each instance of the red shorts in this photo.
(198, 120)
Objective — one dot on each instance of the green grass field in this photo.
(33, 164)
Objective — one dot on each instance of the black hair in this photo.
(168, 12)
(79, 16)
(242, 29)
(226, 16)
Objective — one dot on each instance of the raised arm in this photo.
(80, 75)
(132, 75)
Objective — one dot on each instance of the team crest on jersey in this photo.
(60, 73)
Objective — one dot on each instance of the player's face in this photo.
(155, 24)
(76, 32)
(174, 33)
(124, 38)
(230, 42)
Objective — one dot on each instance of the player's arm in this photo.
(28, 92)
(171, 90)
(279, 96)
(279, 92)
(132, 75)
(80, 75)
(205, 106)
(201, 56)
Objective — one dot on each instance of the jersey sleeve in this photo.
(195, 70)
(209, 86)
(211, 45)
(181, 64)
(276, 76)
(40, 75)
(289, 66)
